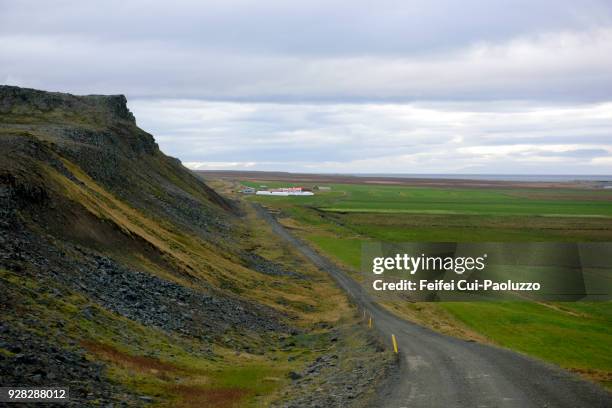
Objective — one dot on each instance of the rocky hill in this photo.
(128, 279)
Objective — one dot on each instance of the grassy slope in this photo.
(168, 367)
(573, 335)
(177, 370)
(172, 368)
(229, 378)
(576, 336)
(150, 361)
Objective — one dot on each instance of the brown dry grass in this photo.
(291, 224)
(600, 376)
(191, 396)
(136, 363)
(434, 317)
(306, 178)
(195, 258)
(184, 395)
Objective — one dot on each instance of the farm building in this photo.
(286, 191)
(322, 188)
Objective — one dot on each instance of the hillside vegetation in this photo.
(131, 281)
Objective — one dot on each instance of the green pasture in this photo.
(404, 214)
(576, 336)
(364, 198)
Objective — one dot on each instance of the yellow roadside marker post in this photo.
(370, 323)
(394, 343)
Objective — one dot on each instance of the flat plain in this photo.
(576, 336)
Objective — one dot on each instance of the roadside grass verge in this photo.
(575, 336)
(345, 250)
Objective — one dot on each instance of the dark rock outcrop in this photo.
(98, 108)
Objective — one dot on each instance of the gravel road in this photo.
(441, 371)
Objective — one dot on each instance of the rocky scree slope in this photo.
(114, 256)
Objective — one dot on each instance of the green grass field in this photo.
(458, 201)
(401, 214)
(576, 336)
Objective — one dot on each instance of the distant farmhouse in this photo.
(321, 188)
(286, 191)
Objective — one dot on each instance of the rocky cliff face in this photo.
(31, 102)
(110, 249)
(99, 134)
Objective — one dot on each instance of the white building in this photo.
(286, 191)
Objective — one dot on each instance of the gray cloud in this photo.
(420, 86)
(314, 51)
(316, 27)
(560, 67)
(579, 153)
(409, 138)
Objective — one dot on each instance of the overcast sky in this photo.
(337, 86)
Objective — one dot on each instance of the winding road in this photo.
(441, 371)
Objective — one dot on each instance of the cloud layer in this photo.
(424, 86)
(417, 138)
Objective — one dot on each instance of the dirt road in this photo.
(441, 371)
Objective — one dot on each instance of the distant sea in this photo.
(501, 177)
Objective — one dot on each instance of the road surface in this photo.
(441, 371)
